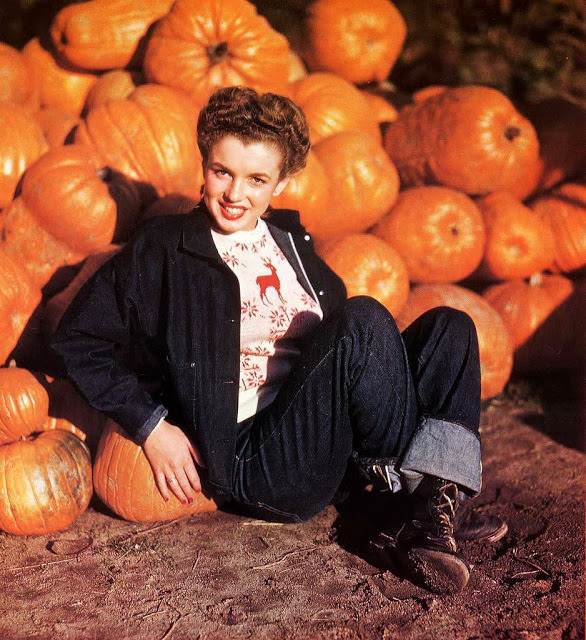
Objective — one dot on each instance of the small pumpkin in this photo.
(202, 45)
(150, 137)
(21, 142)
(359, 42)
(105, 34)
(124, 481)
(438, 231)
(564, 209)
(494, 342)
(18, 83)
(518, 241)
(57, 125)
(60, 84)
(364, 183)
(470, 138)
(117, 84)
(526, 304)
(332, 104)
(46, 482)
(369, 266)
(19, 297)
(382, 109)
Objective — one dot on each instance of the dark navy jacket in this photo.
(157, 330)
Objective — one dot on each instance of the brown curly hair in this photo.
(253, 117)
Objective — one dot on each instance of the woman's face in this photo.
(239, 181)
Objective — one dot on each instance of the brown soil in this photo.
(219, 575)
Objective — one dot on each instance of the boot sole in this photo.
(437, 571)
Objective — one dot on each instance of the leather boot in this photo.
(424, 550)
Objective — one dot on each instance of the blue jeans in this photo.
(363, 393)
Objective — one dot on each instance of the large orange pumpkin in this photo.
(21, 143)
(470, 138)
(518, 241)
(332, 104)
(150, 137)
(363, 183)
(61, 85)
(437, 231)
(19, 83)
(19, 297)
(494, 342)
(565, 210)
(369, 266)
(46, 482)
(307, 192)
(358, 41)
(124, 481)
(525, 304)
(105, 34)
(201, 45)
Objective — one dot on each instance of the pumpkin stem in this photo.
(104, 174)
(512, 132)
(217, 52)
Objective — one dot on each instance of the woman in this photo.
(228, 350)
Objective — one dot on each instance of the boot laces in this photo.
(445, 510)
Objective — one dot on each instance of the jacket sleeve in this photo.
(95, 333)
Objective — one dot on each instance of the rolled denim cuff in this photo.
(151, 422)
(445, 450)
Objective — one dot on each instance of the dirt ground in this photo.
(223, 576)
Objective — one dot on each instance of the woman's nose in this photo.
(234, 190)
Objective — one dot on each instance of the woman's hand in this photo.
(171, 456)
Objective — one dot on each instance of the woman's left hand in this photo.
(172, 457)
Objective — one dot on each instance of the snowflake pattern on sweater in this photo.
(275, 312)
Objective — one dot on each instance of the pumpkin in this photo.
(61, 85)
(518, 241)
(31, 246)
(297, 67)
(117, 84)
(24, 404)
(565, 210)
(19, 297)
(525, 304)
(21, 143)
(150, 137)
(105, 34)
(57, 125)
(202, 45)
(363, 183)
(359, 42)
(369, 266)
(307, 192)
(427, 92)
(124, 481)
(528, 183)
(67, 193)
(438, 231)
(18, 83)
(46, 482)
(494, 342)
(331, 105)
(469, 138)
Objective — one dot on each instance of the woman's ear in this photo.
(280, 186)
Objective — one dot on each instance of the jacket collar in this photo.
(196, 237)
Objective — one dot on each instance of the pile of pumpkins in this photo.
(452, 197)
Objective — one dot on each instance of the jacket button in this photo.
(320, 293)
(307, 237)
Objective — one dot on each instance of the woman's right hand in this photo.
(172, 457)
